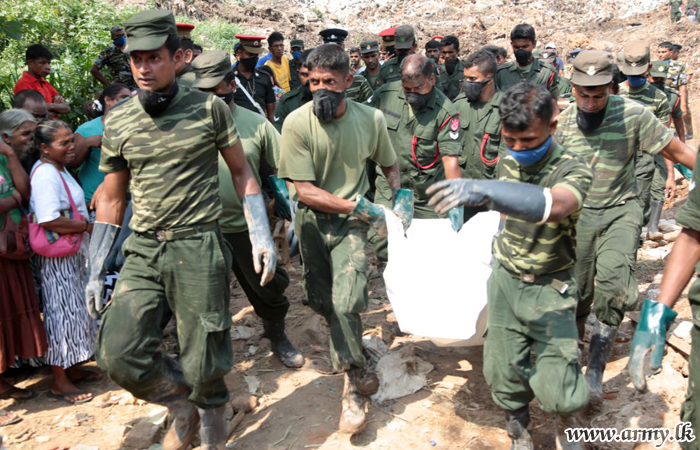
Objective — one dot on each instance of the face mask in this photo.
(249, 63)
(636, 81)
(306, 92)
(531, 156)
(326, 104)
(659, 85)
(155, 103)
(523, 57)
(120, 41)
(417, 101)
(227, 98)
(400, 56)
(296, 54)
(588, 122)
(450, 67)
(472, 89)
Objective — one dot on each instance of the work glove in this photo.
(456, 216)
(102, 240)
(264, 255)
(279, 187)
(403, 206)
(650, 336)
(372, 214)
(687, 173)
(523, 201)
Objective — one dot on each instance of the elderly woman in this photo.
(21, 330)
(70, 331)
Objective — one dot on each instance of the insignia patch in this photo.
(454, 134)
(591, 71)
(402, 39)
(276, 118)
(454, 124)
(633, 64)
(662, 68)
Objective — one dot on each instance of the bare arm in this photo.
(679, 152)
(452, 169)
(11, 202)
(564, 204)
(82, 148)
(393, 176)
(320, 200)
(96, 73)
(19, 177)
(270, 109)
(64, 225)
(683, 90)
(680, 267)
(679, 125)
(670, 179)
(58, 108)
(111, 203)
(243, 179)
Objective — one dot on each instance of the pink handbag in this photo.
(52, 244)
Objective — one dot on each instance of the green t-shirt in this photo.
(334, 155)
(627, 128)
(172, 158)
(7, 187)
(528, 248)
(260, 140)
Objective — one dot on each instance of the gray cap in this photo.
(369, 46)
(592, 68)
(404, 37)
(634, 59)
(211, 68)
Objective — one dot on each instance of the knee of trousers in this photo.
(132, 371)
(559, 385)
(350, 293)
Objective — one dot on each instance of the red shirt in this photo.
(38, 84)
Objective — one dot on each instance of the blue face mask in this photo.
(531, 156)
(120, 41)
(636, 81)
(296, 54)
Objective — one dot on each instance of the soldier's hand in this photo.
(403, 206)
(373, 214)
(650, 337)
(264, 255)
(670, 187)
(449, 194)
(103, 238)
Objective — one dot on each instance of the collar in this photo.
(39, 79)
(536, 66)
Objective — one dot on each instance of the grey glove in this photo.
(523, 201)
(104, 235)
(264, 255)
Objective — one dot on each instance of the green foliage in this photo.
(214, 34)
(10, 28)
(318, 12)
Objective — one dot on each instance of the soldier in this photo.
(254, 89)
(405, 44)
(295, 98)
(260, 141)
(360, 90)
(432, 51)
(532, 295)
(297, 47)
(370, 55)
(499, 53)
(114, 58)
(164, 144)
(550, 57)
(676, 10)
(185, 74)
(425, 132)
(452, 70)
(525, 67)
(387, 50)
(607, 131)
(326, 145)
(678, 67)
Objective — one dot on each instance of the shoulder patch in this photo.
(454, 124)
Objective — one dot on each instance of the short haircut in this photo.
(186, 43)
(116, 28)
(450, 40)
(172, 43)
(46, 130)
(230, 76)
(523, 31)
(329, 57)
(36, 51)
(275, 36)
(524, 102)
(676, 48)
(28, 94)
(304, 56)
(197, 47)
(12, 119)
(432, 44)
(617, 78)
(424, 68)
(484, 61)
(354, 50)
(667, 45)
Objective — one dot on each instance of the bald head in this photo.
(416, 66)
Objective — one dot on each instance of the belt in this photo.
(174, 234)
(530, 278)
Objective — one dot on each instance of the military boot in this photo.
(516, 427)
(365, 378)
(212, 431)
(656, 208)
(565, 422)
(352, 417)
(598, 353)
(281, 346)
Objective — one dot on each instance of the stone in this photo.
(142, 435)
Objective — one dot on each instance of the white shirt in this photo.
(49, 196)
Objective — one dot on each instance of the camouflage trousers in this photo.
(690, 410)
(644, 173)
(188, 278)
(606, 245)
(534, 316)
(332, 250)
(658, 184)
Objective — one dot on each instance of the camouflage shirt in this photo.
(688, 216)
(627, 127)
(360, 90)
(372, 79)
(118, 64)
(651, 98)
(510, 74)
(172, 158)
(539, 249)
(677, 75)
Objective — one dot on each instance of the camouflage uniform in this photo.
(333, 156)
(532, 298)
(175, 193)
(451, 85)
(677, 77)
(510, 74)
(676, 10)
(608, 229)
(658, 184)
(360, 90)
(118, 64)
(186, 77)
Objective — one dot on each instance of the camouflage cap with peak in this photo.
(659, 69)
(148, 30)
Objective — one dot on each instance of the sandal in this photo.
(8, 418)
(7, 395)
(64, 397)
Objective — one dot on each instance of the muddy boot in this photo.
(598, 353)
(516, 427)
(352, 417)
(565, 422)
(656, 208)
(212, 431)
(281, 346)
(366, 381)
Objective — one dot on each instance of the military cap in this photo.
(388, 37)
(184, 30)
(296, 43)
(592, 68)
(211, 68)
(437, 37)
(369, 46)
(148, 30)
(634, 59)
(405, 37)
(659, 69)
(676, 47)
(251, 44)
(548, 56)
(536, 53)
(333, 35)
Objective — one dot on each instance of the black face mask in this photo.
(588, 122)
(306, 92)
(418, 101)
(400, 56)
(523, 57)
(472, 89)
(450, 67)
(227, 98)
(249, 63)
(155, 103)
(326, 104)
(660, 85)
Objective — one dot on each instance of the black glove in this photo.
(104, 235)
(519, 200)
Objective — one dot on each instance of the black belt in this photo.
(174, 234)
(530, 278)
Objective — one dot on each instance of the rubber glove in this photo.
(403, 206)
(687, 173)
(282, 209)
(102, 240)
(264, 255)
(456, 216)
(370, 213)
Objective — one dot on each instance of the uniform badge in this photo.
(591, 71)
(662, 68)
(633, 64)
(454, 135)
(454, 124)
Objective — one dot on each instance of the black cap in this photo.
(333, 36)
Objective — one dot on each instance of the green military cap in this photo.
(592, 68)
(634, 59)
(548, 56)
(659, 69)
(536, 53)
(148, 30)
(298, 43)
(369, 46)
(404, 37)
(211, 68)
